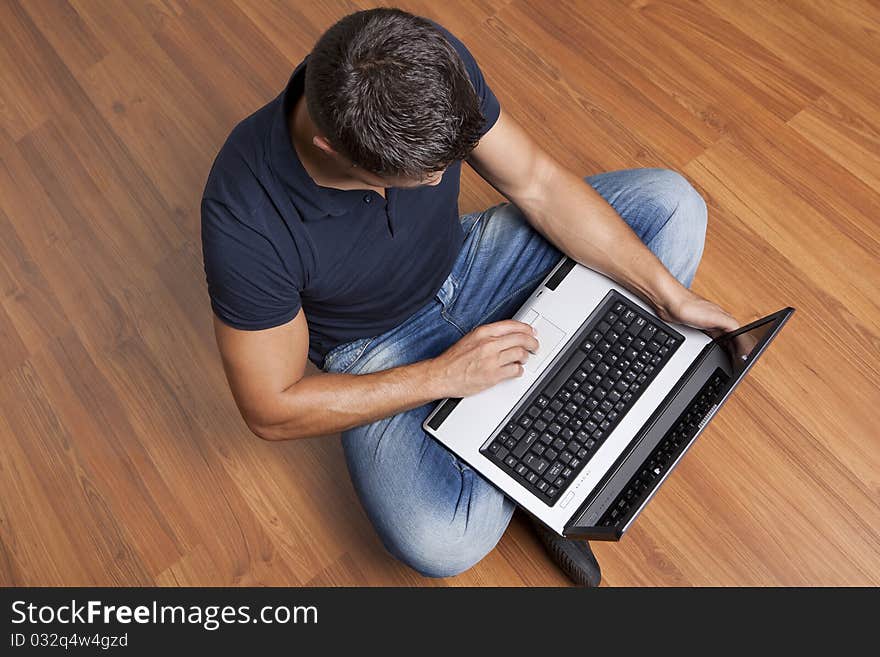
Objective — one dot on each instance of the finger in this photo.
(716, 323)
(516, 339)
(511, 371)
(514, 355)
(724, 321)
(504, 327)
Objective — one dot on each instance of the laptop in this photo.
(605, 409)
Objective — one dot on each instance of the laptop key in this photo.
(527, 441)
(536, 463)
(554, 471)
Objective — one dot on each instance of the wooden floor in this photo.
(123, 459)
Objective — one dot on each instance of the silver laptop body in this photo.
(565, 309)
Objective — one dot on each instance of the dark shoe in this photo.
(575, 558)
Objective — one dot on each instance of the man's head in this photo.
(389, 94)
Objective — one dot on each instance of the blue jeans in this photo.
(431, 510)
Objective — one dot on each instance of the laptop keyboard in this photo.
(609, 363)
(677, 438)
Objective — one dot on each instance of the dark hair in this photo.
(390, 92)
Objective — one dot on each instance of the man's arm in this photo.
(579, 222)
(265, 373)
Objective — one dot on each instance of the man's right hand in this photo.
(487, 355)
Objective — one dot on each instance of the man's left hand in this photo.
(691, 309)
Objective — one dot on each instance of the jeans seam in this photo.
(452, 276)
(357, 357)
(467, 268)
(452, 321)
(508, 296)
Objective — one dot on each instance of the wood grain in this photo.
(123, 460)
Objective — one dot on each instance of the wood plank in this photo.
(758, 73)
(846, 137)
(597, 89)
(821, 57)
(82, 511)
(29, 300)
(64, 28)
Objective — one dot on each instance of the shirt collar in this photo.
(312, 200)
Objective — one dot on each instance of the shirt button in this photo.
(367, 199)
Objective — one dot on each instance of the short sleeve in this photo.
(249, 287)
(489, 105)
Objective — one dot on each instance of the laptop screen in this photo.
(744, 345)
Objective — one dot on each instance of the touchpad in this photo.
(549, 335)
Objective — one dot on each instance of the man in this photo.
(331, 232)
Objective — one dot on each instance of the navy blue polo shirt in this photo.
(356, 263)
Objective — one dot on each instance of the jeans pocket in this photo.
(342, 357)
